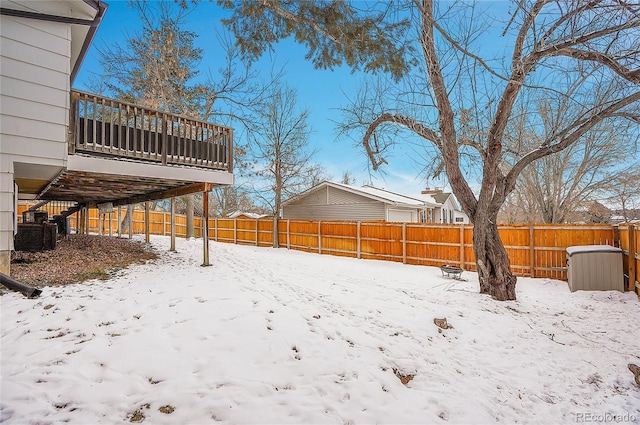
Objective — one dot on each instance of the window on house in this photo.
(459, 220)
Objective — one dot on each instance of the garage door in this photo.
(401, 216)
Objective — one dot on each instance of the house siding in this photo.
(330, 203)
(363, 211)
(339, 197)
(34, 105)
(34, 60)
(317, 197)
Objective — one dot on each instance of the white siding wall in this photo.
(34, 105)
(368, 211)
(34, 102)
(331, 203)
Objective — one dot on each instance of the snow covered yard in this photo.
(274, 336)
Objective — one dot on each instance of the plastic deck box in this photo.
(595, 268)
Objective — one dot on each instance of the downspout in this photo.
(93, 28)
(28, 291)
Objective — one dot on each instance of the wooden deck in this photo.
(105, 127)
(124, 153)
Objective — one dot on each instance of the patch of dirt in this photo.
(77, 258)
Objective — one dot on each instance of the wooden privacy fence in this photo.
(535, 250)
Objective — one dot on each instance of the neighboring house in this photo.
(246, 215)
(448, 211)
(57, 143)
(336, 201)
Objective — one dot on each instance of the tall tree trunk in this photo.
(128, 216)
(191, 204)
(492, 261)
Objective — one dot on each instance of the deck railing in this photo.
(108, 127)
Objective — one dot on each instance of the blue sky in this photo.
(321, 91)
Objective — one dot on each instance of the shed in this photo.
(594, 268)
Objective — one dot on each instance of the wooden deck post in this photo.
(110, 225)
(173, 225)
(147, 238)
(205, 228)
(632, 257)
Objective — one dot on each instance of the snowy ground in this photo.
(268, 336)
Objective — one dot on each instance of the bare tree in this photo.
(279, 151)
(436, 54)
(624, 193)
(347, 178)
(158, 68)
(554, 188)
(228, 199)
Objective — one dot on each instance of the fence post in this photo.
(288, 234)
(87, 221)
(404, 243)
(319, 237)
(532, 252)
(257, 232)
(133, 213)
(632, 257)
(110, 225)
(359, 240)
(235, 230)
(119, 221)
(462, 246)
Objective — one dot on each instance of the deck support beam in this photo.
(205, 228)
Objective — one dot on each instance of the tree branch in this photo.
(409, 123)
(607, 60)
(273, 5)
(569, 136)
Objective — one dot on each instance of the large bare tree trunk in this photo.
(493, 263)
(128, 216)
(191, 204)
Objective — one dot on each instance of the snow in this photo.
(268, 336)
(579, 249)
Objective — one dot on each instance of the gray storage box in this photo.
(595, 268)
